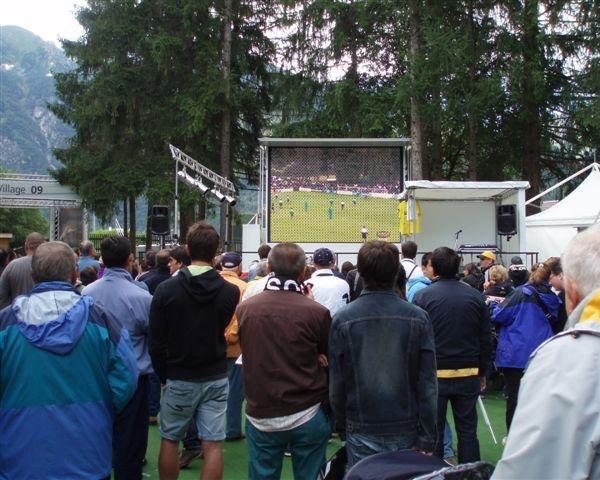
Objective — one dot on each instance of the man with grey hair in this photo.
(16, 278)
(130, 306)
(556, 428)
(87, 258)
(283, 333)
(66, 368)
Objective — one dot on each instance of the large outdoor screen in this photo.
(334, 194)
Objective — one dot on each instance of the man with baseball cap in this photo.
(517, 272)
(330, 291)
(231, 264)
(486, 260)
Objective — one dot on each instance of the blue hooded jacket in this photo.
(414, 285)
(523, 322)
(65, 369)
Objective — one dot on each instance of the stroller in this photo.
(403, 465)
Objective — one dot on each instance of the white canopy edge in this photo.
(470, 191)
(593, 165)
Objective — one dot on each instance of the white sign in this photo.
(34, 187)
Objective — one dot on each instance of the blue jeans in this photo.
(204, 403)
(235, 399)
(462, 394)
(308, 444)
(359, 446)
(154, 395)
(448, 452)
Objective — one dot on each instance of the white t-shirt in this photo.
(411, 268)
(330, 291)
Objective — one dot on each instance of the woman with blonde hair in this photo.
(525, 318)
(498, 286)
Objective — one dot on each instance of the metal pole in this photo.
(486, 419)
(568, 179)
(176, 209)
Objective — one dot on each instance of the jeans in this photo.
(130, 434)
(154, 395)
(204, 403)
(448, 452)
(191, 442)
(512, 376)
(308, 444)
(359, 446)
(462, 394)
(235, 399)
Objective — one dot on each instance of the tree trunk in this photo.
(417, 137)
(202, 208)
(225, 154)
(531, 106)
(149, 227)
(437, 156)
(471, 115)
(132, 226)
(125, 229)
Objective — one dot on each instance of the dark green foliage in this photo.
(21, 222)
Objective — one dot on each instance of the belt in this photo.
(458, 373)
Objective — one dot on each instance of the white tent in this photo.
(548, 232)
(465, 208)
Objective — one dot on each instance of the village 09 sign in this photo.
(45, 188)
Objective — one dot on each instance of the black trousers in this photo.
(130, 434)
(512, 376)
(462, 394)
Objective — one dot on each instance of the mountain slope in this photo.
(28, 130)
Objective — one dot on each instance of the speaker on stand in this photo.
(506, 222)
(159, 222)
(506, 219)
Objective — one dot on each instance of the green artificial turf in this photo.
(313, 221)
(235, 453)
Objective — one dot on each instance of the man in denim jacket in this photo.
(382, 383)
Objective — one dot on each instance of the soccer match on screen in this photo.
(334, 194)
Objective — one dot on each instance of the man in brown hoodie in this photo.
(283, 332)
(231, 270)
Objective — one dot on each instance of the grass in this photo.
(311, 221)
(236, 455)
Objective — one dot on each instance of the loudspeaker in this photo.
(506, 219)
(159, 220)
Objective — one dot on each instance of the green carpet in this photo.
(235, 453)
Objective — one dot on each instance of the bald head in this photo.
(87, 249)
(53, 262)
(32, 242)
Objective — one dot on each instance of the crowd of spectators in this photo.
(94, 350)
(314, 184)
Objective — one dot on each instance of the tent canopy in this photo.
(462, 191)
(580, 208)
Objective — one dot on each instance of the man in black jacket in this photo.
(462, 332)
(188, 317)
(159, 273)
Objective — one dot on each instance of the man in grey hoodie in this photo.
(556, 428)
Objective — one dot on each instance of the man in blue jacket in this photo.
(66, 369)
(382, 402)
(130, 305)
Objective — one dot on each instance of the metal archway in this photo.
(23, 190)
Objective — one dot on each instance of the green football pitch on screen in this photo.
(316, 217)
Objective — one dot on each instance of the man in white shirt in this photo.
(409, 253)
(328, 290)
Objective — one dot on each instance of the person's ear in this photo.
(74, 276)
(572, 294)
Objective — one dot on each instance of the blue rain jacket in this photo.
(66, 368)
